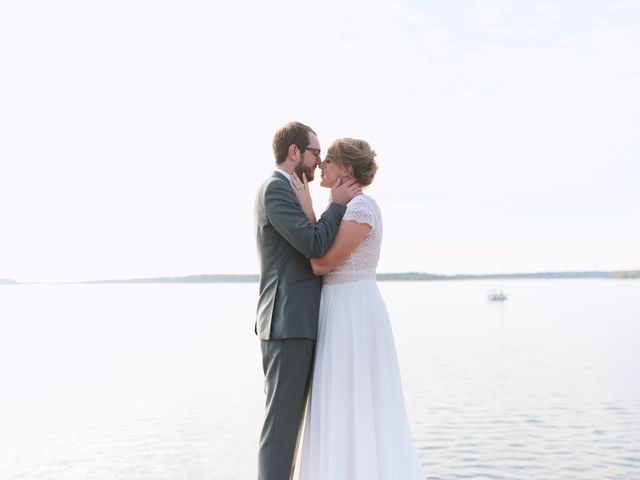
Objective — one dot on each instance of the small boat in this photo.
(496, 296)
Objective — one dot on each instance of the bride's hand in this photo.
(301, 188)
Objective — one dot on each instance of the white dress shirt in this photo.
(286, 174)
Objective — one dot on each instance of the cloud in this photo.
(626, 7)
(548, 12)
(490, 16)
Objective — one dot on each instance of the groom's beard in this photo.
(308, 171)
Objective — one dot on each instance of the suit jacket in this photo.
(289, 302)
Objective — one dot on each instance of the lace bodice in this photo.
(362, 262)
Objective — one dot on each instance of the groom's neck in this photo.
(287, 166)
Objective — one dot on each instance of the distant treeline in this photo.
(493, 276)
(384, 277)
(628, 274)
(408, 276)
(214, 278)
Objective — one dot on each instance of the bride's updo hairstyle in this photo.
(358, 154)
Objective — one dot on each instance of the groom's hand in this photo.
(343, 193)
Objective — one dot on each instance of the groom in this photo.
(289, 302)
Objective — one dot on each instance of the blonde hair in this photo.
(358, 154)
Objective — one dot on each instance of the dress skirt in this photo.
(356, 426)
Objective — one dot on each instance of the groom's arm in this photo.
(350, 235)
(286, 216)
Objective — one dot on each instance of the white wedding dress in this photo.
(356, 427)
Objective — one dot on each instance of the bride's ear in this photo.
(348, 170)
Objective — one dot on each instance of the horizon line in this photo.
(408, 275)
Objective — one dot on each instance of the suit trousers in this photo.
(287, 366)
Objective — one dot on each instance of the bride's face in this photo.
(330, 171)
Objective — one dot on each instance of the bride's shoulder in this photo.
(362, 201)
(362, 209)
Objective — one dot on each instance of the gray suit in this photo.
(287, 315)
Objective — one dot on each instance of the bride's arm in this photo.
(349, 236)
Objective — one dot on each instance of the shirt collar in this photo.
(286, 174)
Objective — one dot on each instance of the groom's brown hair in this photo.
(292, 133)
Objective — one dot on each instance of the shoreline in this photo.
(381, 277)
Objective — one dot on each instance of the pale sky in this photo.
(134, 134)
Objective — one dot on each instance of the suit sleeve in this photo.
(286, 216)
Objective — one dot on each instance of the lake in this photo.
(159, 382)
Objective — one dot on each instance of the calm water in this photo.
(159, 382)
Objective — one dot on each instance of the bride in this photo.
(356, 427)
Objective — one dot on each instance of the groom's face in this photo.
(309, 159)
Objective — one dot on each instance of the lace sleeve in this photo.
(360, 210)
